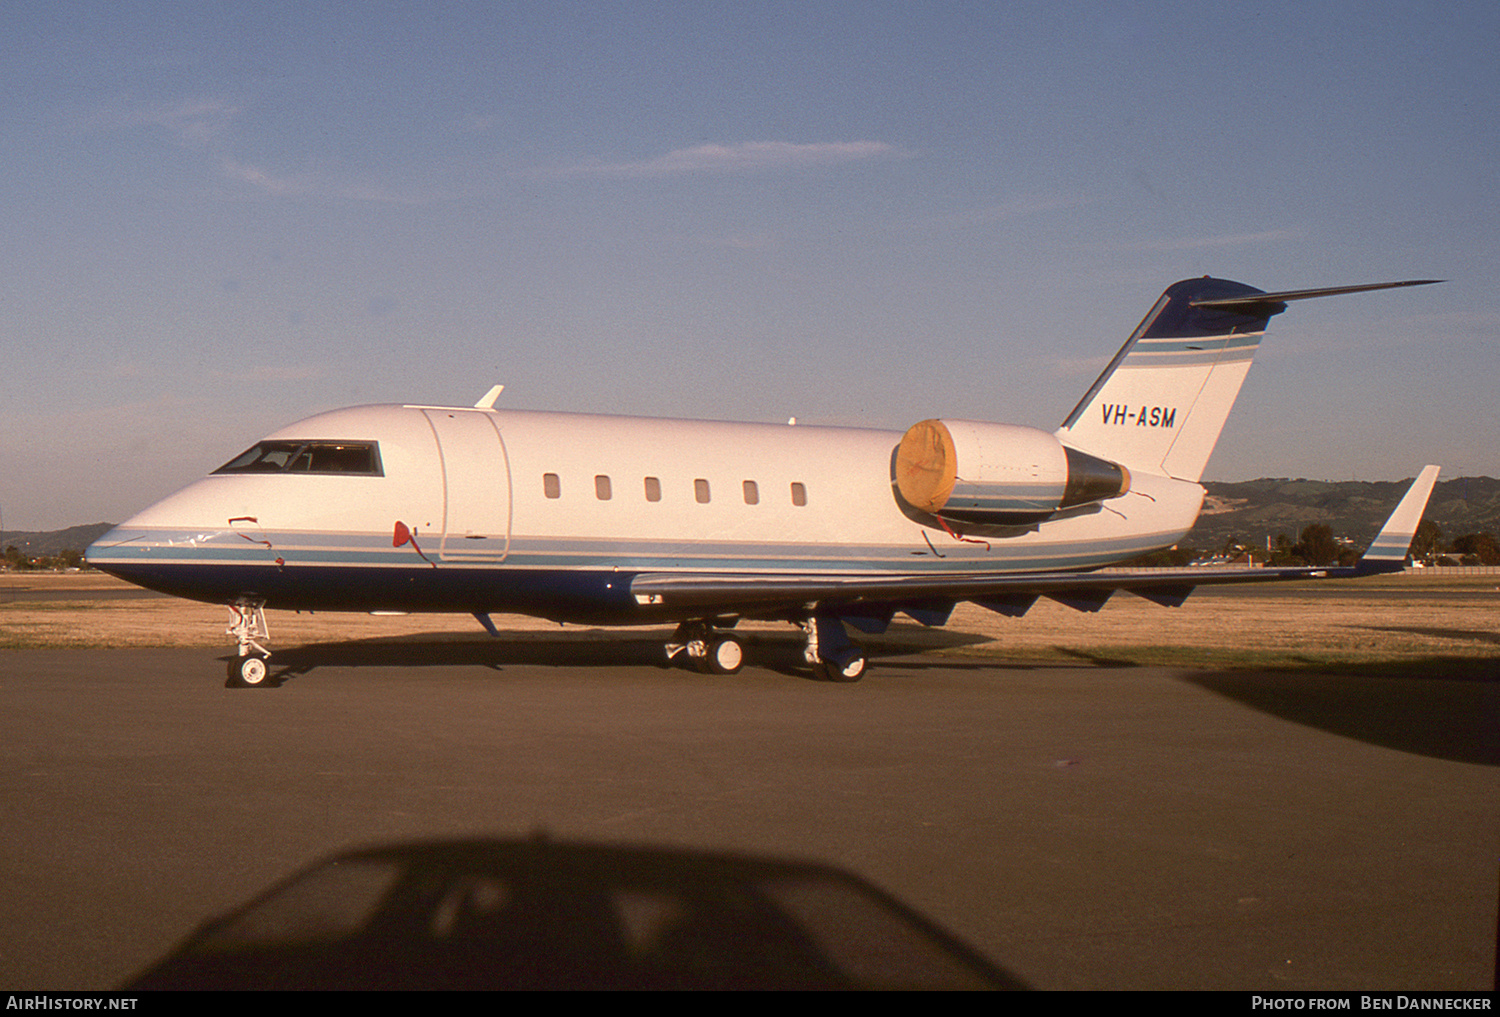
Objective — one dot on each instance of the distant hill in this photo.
(34, 544)
(1249, 511)
(1253, 510)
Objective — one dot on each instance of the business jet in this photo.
(626, 521)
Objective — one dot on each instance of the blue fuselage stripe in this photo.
(551, 577)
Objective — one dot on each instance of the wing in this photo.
(1007, 593)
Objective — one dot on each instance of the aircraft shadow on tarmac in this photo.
(779, 652)
(1443, 708)
(1466, 635)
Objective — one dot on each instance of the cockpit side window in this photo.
(349, 458)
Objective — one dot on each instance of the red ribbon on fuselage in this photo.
(404, 535)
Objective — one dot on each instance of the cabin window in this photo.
(551, 486)
(752, 493)
(799, 494)
(349, 458)
(602, 489)
(653, 489)
(700, 491)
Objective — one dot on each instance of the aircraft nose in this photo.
(104, 549)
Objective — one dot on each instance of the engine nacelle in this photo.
(967, 471)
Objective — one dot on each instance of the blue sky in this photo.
(225, 217)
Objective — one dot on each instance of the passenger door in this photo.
(476, 486)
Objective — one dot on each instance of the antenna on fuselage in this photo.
(488, 402)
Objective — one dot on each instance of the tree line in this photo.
(1316, 545)
(18, 561)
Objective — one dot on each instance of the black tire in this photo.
(726, 655)
(846, 666)
(249, 672)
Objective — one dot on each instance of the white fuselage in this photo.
(552, 513)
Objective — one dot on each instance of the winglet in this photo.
(488, 402)
(1387, 553)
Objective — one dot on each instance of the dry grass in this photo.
(1336, 625)
(1398, 622)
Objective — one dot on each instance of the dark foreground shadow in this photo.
(1445, 709)
(538, 914)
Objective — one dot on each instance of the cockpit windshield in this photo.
(360, 458)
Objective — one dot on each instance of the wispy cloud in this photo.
(193, 123)
(206, 125)
(742, 157)
(325, 185)
(263, 180)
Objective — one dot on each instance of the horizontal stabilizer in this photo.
(1254, 301)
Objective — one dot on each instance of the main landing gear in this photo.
(697, 643)
(701, 647)
(247, 623)
(829, 650)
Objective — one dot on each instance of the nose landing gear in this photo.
(247, 623)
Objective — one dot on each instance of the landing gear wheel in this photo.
(695, 644)
(247, 673)
(833, 657)
(846, 666)
(247, 624)
(726, 655)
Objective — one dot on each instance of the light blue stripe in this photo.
(1391, 546)
(1177, 352)
(653, 556)
(1177, 344)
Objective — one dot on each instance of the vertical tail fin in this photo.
(1160, 404)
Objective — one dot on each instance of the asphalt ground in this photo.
(1083, 826)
